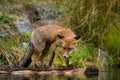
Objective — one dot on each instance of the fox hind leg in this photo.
(39, 46)
(33, 58)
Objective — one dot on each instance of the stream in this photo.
(103, 75)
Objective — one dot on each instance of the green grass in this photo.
(9, 52)
(97, 21)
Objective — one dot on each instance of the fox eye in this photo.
(70, 48)
(67, 48)
(64, 48)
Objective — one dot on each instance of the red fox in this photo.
(42, 38)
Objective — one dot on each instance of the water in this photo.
(104, 75)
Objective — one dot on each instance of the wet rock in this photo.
(91, 71)
(3, 34)
(48, 21)
(49, 14)
(23, 26)
(22, 45)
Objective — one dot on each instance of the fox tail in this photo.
(26, 60)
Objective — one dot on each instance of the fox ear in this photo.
(77, 37)
(60, 36)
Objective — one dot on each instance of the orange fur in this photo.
(45, 36)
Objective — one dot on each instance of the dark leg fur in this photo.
(51, 59)
(67, 62)
(26, 60)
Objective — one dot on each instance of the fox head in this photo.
(68, 44)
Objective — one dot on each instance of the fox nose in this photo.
(65, 56)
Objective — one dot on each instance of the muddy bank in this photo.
(65, 72)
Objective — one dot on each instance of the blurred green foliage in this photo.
(5, 19)
(97, 21)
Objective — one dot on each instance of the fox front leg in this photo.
(51, 59)
(67, 62)
(53, 54)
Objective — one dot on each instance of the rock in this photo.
(22, 45)
(23, 26)
(91, 71)
(3, 34)
(48, 21)
(49, 14)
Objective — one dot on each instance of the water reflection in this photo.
(109, 75)
(36, 77)
(104, 75)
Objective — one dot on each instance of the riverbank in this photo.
(70, 72)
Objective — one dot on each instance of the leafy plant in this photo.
(5, 19)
